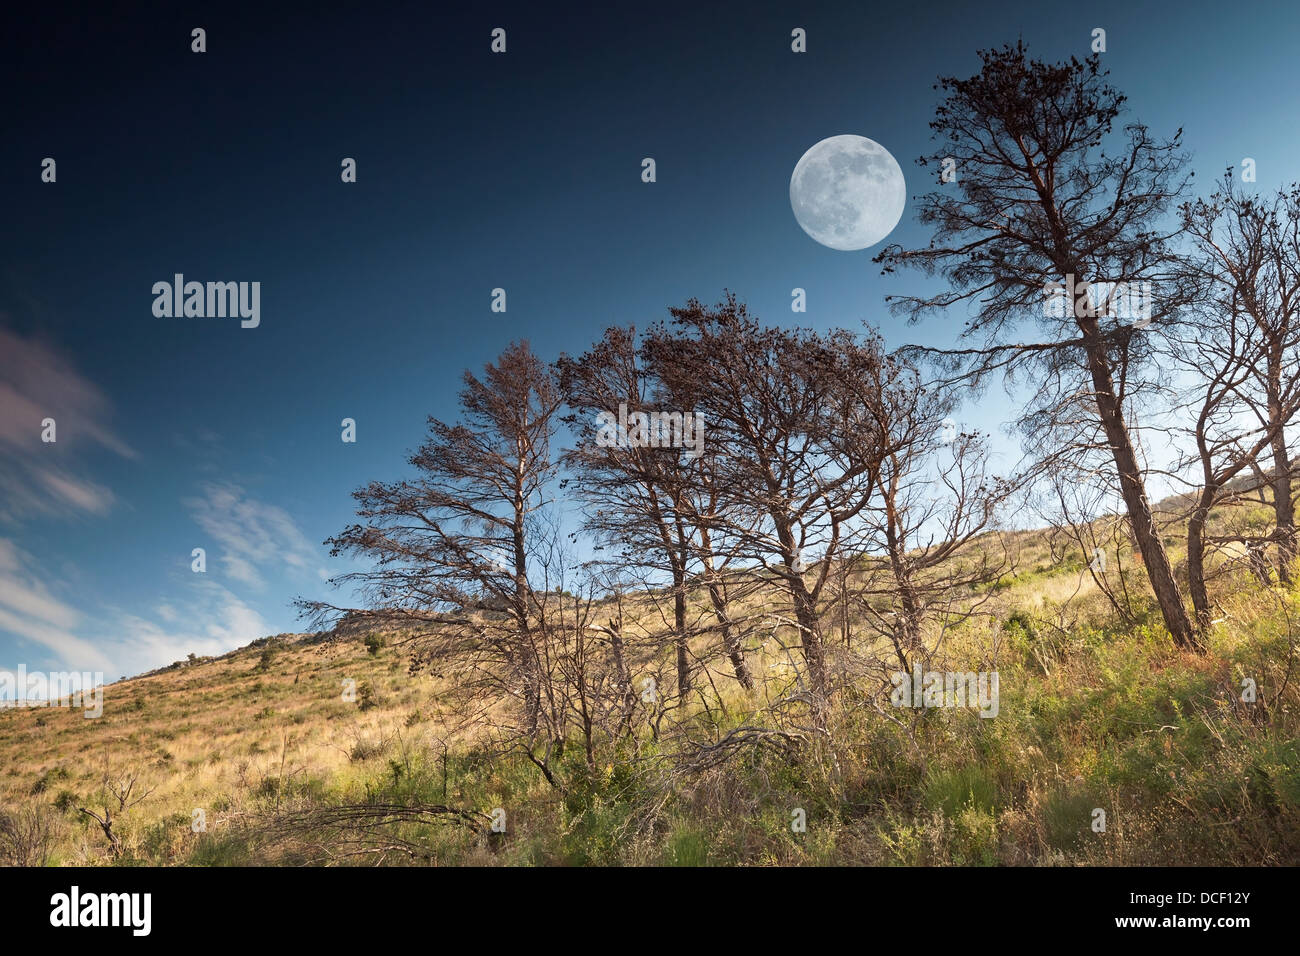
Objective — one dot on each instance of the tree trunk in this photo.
(532, 676)
(805, 614)
(907, 635)
(735, 653)
(622, 675)
(1196, 559)
(679, 623)
(730, 641)
(811, 642)
(1283, 508)
(532, 685)
(1111, 415)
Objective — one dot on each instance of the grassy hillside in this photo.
(1092, 716)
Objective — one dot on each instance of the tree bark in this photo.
(1196, 559)
(805, 614)
(1283, 507)
(811, 642)
(908, 632)
(679, 623)
(1159, 572)
(730, 641)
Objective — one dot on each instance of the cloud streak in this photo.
(50, 631)
(253, 534)
(31, 613)
(39, 478)
(226, 623)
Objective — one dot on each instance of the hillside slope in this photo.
(266, 750)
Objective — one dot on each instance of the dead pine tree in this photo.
(1048, 214)
(651, 500)
(453, 549)
(796, 454)
(630, 480)
(935, 497)
(1240, 346)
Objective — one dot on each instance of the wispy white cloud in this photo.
(52, 634)
(253, 535)
(85, 495)
(216, 621)
(31, 613)
(42, 478)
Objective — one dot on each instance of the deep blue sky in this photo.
(475, 171)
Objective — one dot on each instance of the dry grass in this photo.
(1092, 716)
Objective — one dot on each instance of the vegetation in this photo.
(1093, 715)
(777, 607)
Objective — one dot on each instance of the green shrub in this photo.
(49, 777)
(365, 749)
(952, 791)
(1066, 816)
(686, 846)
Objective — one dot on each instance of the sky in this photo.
(475, 171)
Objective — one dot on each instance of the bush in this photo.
(686, 846)
(364, 749)
(366, 696)
(954, 790)
(49, 777)
(220, 850)
(26, 837)
(1067, 818)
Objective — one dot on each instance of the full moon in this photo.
(847, 192)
